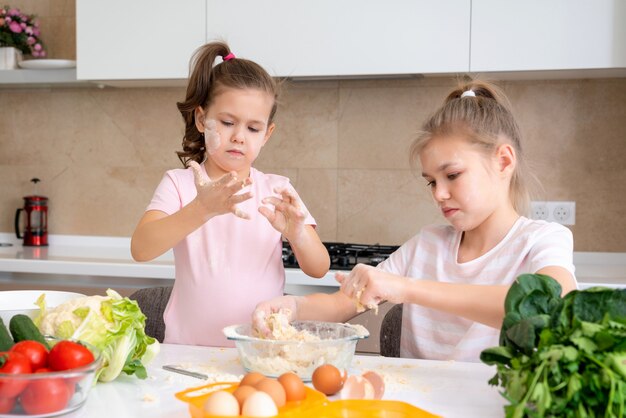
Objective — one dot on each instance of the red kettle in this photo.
(36, 221)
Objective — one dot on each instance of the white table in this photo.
(447, 388)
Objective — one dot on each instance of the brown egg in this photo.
(327, 379)
(242, 393)
(274, 389)
(251, 379)
(294, 388)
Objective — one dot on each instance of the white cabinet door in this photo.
(320, 38)
(137, 39)
(518, 35)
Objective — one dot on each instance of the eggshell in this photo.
(221, 403)
(259, 404)
(344, 376)
(327, 379)
(357, 387)
(274, 389)
(294, 388)
(378, 383)
(242, 393)
(251, 379)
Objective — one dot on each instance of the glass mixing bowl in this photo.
(334, 343)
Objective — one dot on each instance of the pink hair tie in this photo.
(229, 57)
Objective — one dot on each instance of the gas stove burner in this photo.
(344, 256)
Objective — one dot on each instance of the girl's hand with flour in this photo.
(369, 286)
(288, 305)
(288, 217)
(219, 197)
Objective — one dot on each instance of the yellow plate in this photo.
(365, 408)
(315, 405)
(196, 397)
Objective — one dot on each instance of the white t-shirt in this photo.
(432, 255)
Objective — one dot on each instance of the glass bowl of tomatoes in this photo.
(48, 378)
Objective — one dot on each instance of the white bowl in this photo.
(13, 302)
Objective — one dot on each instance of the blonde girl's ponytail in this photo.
(206, 80)
(480, 89)
(480, 112)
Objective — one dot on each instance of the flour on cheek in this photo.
(212, 139)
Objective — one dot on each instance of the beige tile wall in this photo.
(101, 153)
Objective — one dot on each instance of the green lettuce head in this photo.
(113, 324)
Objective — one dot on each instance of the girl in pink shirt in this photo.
(224, 219)
(453, 279)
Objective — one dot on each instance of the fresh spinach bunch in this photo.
(561, 357)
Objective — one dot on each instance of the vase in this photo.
(9, 58)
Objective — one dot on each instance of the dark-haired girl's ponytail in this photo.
(199, 90)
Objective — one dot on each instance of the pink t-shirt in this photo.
(431, 334)
(225, 267)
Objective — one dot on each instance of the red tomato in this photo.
(71, 387)
(13, 363)
(36, 352)
(6, 404)
(70, 381)
(44, 396)
(67, 355)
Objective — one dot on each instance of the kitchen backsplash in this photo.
(101, 152)
(344, 144)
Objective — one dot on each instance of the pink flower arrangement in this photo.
(21, 31)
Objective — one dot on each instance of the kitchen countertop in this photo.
(110, 257)
(446, 388)
(107, 258)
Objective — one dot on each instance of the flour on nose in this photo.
(212, 138)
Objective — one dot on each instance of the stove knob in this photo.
(343, 261)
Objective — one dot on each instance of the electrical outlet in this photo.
(562, 212)
(539, 210)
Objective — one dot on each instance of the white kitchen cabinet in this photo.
(515, 35)
(327, 38)
(139, 39)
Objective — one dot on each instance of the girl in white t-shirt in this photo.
(453, 279)
(224, 219)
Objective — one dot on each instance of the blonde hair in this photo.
(207, 81)
(484, 118)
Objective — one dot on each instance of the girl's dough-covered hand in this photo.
(369, 286)
(288, 216)
(218, 197)
(287, 304)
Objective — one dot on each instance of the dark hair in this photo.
(206, 81)
(486, 120)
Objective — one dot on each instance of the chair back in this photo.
(152, 302)
(390, 330)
